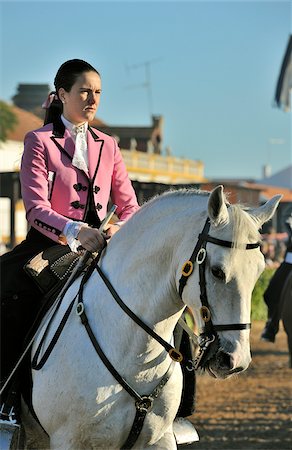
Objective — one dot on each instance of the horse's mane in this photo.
(243, 226)
(180, 192)
(172, 193)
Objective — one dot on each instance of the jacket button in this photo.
(96, 189)
(98, 206)
(75, 204)
(77, 186)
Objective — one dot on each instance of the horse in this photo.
(286, 314)
(183, 248)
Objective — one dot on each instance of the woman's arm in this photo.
(122, 192)
(35, 192)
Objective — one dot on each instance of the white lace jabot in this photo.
(79, 136)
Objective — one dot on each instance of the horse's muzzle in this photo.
(223, 365)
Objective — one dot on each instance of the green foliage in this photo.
(258, 306)
(8, 120)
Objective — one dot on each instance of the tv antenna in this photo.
(147, 83)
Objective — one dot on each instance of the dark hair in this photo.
(65, 78)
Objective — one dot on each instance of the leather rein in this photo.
(144, 403)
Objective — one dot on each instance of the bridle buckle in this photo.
(201, 256)
(145, 404)
(175, 355)
(187, 268)
(205, 314)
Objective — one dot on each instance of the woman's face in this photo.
(81, 103)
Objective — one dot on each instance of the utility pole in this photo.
(147, 83)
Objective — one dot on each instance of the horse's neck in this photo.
(141, 263)
(142, 277)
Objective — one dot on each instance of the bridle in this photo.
(208, 334)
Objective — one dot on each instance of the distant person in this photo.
(272, 295)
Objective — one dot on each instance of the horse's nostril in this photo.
(238, 369)
(225, 360)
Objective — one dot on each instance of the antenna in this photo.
(147, 83)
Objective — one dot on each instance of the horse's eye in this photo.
(218, 273)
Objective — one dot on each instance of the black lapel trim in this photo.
(99, 158)
(95, 137)
(62, 150)
(58, 133)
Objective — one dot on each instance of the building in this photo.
(143, 139)
(31, 96)
(282, 178)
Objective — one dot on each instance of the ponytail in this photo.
(53, 107)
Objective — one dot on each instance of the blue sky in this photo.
(213, 70)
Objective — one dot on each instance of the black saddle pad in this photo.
(51, 266)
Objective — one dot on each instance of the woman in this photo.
(69, 171)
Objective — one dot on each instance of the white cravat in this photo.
(78, 133)
(80, 159)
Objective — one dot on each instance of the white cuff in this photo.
(71, 231)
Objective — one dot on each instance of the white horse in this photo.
(77, 400)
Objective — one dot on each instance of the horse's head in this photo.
(227, 262)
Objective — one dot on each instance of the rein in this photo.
(209, 334)
(143, 403)
(173, 352)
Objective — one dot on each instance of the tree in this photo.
(8, 120)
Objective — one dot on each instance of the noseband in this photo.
(208, 334)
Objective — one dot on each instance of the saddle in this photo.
(50, 268)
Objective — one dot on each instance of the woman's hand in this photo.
(91, 239)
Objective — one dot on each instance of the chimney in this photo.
(267, 171)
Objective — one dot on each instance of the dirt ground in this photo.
(252, 410)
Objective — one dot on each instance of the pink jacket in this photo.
(53, 190)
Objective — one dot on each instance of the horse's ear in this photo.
(266, 211)
(217, 209)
